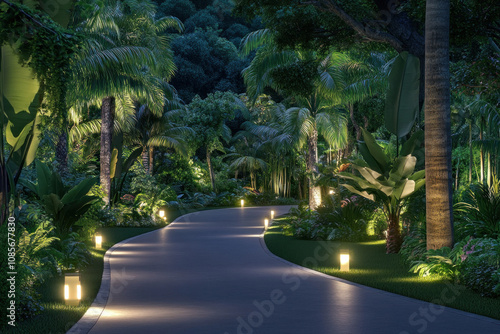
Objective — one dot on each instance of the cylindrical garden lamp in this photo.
(344, 260)
(72, 289)
(98, 241)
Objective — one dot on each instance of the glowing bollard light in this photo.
(344, 260)
(242, 203)
(266, 223)
(162, 214)
(272, 214)
(98, 241)
(72, 289)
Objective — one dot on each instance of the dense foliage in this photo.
(180, 105)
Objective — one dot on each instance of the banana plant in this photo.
(65, 204)
(120, 166)
(401, 105)
(387, 182)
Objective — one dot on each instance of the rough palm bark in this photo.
(107, 121)
(437, 126)
(312, 166)
(151, 159)
(145, 160)
(394, 239)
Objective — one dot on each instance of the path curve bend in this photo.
(209, 272)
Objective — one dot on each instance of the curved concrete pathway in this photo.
(210, 273)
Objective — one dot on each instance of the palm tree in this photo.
(108, 68)
(437, 126)
(275, 147)
(150, 131)
(316, 112)
(247, 159)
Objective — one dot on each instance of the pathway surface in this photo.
(210, 273)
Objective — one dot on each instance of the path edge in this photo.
(338, 279)
(94, 312)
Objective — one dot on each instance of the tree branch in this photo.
(31, 18)
(366, 31)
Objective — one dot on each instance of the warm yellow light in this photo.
(266, 223)
(332, 192)
(72, 289)
(272, 214)
(344, 260)
(98, 241)
(162, 213)
(242, 203)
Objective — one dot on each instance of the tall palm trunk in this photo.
(354, 123)
(211, 170)
(437, 126)
(312, 166)
(145, 160)
(394, 239)
(151, 159)
(107, 120)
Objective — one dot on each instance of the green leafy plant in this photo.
(64, 204)
(72, 254)
(347, 222)
(479, 214)
(414, 246)
(444, 262)
(386, 182)
(480, 270)
(401, 105)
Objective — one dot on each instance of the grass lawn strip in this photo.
(370, 266)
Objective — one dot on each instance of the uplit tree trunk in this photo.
(394, 240)
(312, 166)
(211, 170)
(107, 120)
(437, 126)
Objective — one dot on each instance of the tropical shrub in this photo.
(479, 214)
(480, 270)
(347, 222)
(377, 223)
(444, 262)
(63, 203)
(302, 222)
(414, 247)
(36, 263)
(71, 253)
(149, 196)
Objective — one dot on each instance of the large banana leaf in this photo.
(401, 104)
(403, 167)
(75, 194)
(373, 154)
